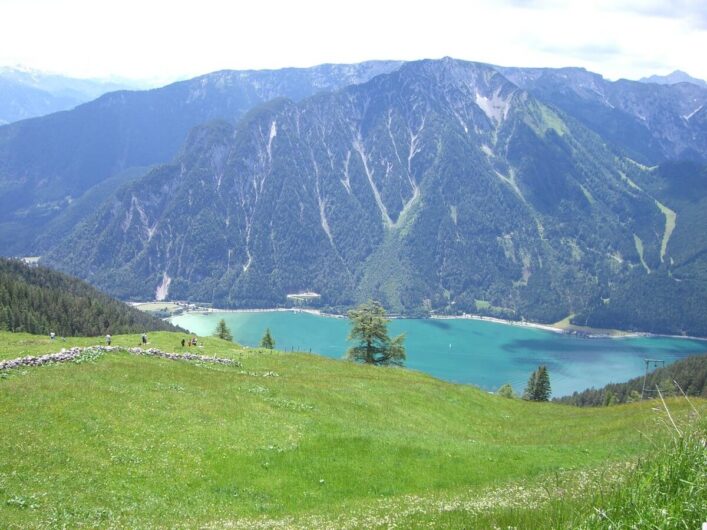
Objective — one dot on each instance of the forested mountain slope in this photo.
(651, 123)
(672, 298)
(39, 300)
(433, 185)
(440, 186)
(48, 163)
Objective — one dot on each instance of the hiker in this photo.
(144, 338)
(52, 336)
(193, 341)
(108, 338)
(183, 341)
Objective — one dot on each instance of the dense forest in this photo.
(689, 373)
(40, 300)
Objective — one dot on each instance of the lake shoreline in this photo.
(495, 320)
(472, 350)
(590, 333)
(316, 312)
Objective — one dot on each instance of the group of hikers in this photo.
(185, 342)
(190, 342)
(143, 339)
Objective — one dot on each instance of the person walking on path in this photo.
(144, 338)
(108, 339)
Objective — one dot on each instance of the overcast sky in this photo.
(168, 39)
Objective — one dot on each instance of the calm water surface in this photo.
(486, 354)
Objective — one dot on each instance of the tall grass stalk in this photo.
(667, 490)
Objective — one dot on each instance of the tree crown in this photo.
(538, 388)
(267, 341)
(222, 331)
(369, 327)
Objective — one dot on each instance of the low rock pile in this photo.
(72, 354)
(61, 357)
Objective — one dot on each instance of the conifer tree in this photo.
(542, 388)
(222, 331)
(267, 341)
(610, 398)
(538, 388)
(529, 392)
(369, 326)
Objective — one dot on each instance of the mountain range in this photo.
(434, 186)
(28, 93)
(54, 168)
(678, 76)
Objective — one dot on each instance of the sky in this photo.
(164, 40)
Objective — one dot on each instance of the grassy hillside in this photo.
(283, 440)
(40, 300)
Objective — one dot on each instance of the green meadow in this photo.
(292, 440)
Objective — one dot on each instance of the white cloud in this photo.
(167, 39)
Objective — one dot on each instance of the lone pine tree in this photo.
(222, 331)
(538, 388)
(267, 341)
(369, 327)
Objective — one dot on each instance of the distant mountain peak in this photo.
(27, 92)
(19, 68)
(678, 76)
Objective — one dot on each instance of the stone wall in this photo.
(73, 354)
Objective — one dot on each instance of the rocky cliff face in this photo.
(439, 185)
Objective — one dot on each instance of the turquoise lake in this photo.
(486, 354)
